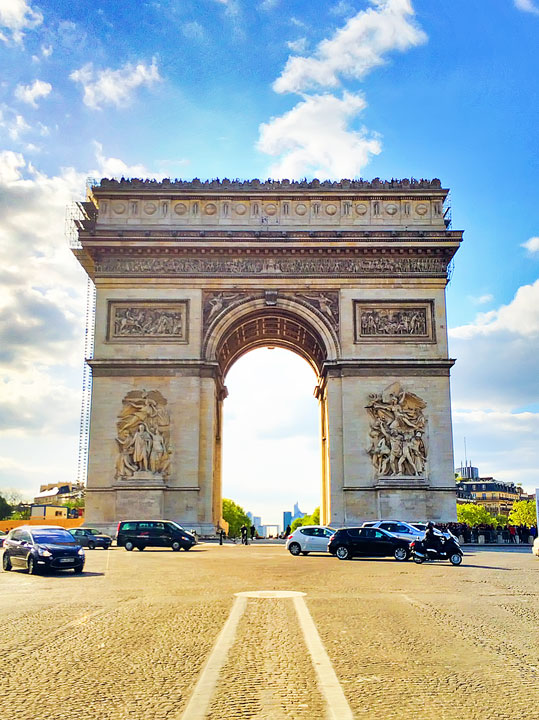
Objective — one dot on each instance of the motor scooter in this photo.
(446, 550)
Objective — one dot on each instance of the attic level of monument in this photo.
(237, 205)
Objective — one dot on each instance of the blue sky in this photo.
(237, 88)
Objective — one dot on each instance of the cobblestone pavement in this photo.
(128, 639)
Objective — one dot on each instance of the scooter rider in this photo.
(431, 539)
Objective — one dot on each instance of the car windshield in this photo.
(53, 538)
(176, 525)
(93, 532)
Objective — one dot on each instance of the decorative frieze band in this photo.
(273, 266)
(394, 321)
(153, 321)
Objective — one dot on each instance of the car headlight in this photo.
(81, 551)
(44, 552)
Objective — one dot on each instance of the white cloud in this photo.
(355, 49)
(314, 138)
(342, 8)
(115, 87)
(299, 45)
(481, 299)
(267, 5)
(527, 6)
(115, 168)
(16, 16)
(193, 30)
(14, 124)
(30, 93)
(532, 245)
(46, 50)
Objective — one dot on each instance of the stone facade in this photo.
(190, 276)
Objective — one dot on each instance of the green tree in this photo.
(523, 513)
(473, 515)
(235, 517)
(5, 508)
(313, 519)
(501, 520)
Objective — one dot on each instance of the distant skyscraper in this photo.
(297, 512)
(287, 519)
(468, 472)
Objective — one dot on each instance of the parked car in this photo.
(91, 538)
(309, 538)
(405, 530)
(153, 533)
(349, 542)
(3, 536)
(42, 547)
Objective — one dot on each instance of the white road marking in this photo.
(337, 704)
(198, 705)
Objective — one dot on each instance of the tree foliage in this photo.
(313, 519)
(523, 513)
(5, 508)
(473, 515)
(235, 517)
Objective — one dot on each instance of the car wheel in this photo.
(400, 554)
(343, 553)
(176, 546)
(304, 552)
(294, 548)
(31, 565)
(91, 545)
(187, 547)
(140, 548)
(455, 559)
(418, 560)
(6, 562)
(129, 545)
(78, 570)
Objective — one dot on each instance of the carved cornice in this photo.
(225, 184)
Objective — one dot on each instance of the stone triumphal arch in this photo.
(191, 275)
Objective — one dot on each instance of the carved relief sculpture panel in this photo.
(400, 321)
(397, 432)
(153, 321)
(143, 437)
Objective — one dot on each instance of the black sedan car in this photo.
(91, 538)
(349, 542)
(42, 547)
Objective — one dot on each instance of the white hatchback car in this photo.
(309, 538)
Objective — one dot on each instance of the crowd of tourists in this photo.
(512, 534)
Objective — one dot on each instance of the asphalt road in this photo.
(131, 638)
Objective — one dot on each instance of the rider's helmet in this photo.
(430, 525)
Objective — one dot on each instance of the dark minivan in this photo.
(153, 533)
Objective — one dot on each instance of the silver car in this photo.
(405, 530)
(309, 538)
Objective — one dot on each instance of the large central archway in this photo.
(272, 321)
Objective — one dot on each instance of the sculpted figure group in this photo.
(394, 322)
(397, 432)
(147, 321)
(143, 435)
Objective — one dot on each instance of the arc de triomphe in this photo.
(190, 276)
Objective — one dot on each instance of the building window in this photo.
(255, 209)
(195, 208)
(286, 208)
(316, 208)
(225, 209)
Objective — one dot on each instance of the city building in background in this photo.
(287, 519)
(496, 496)
(468, 471)
(59, 493)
